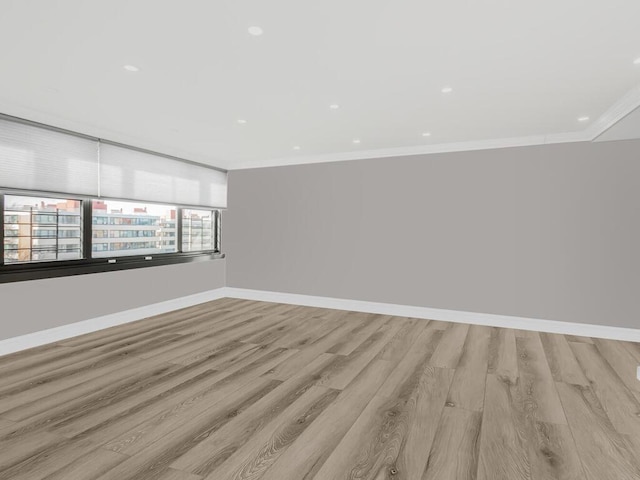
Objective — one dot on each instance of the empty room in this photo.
(339, 240)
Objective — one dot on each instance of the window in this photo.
(127, 228)
(46, 235)
(41, 229)
(198, 230)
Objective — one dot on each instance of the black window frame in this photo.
(17, 272)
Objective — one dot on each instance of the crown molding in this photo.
(488, 144)
(619, 110)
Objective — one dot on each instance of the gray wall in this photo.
(548, 232)
(41, 304)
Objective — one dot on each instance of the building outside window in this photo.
(198, 232)
(129, 228)
(41, 229)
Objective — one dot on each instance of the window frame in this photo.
(16, 272)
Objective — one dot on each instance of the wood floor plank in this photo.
(553, 453)
(162, 422)
(305, 331)
(113, 378)
(541, 400)
(157, 456)
(469, 380)
(578, 339)
(267, 336)
(171, 474)
(448, 353)
(454, 454)
(68, 356)
(215, 352)
(503, 357)
(616, 399)
(370, 322)
(346, 368)
(603, 452)
(503, 449)
(125, 402)
(265, 448)
(209, 454)
(84, 405)
(393, 434)
(30, 391)
(5, 424)
(622, 362)
(144, 403)
(46, 460)
(562, 362)
(243, 389)
(218, 337)
(397, 347)
(13, 452)
(160, 418)
(415, 360)
(88, 466)
(309, 451)
(633, 348)
(161, 323)
(63, 356)
(126, 398)
(28, 356)
(323, 345)
(439, 324)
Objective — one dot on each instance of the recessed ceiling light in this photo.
(583, 119)
(334, 106)
(636, 61)
(296, 147)
(131, 68)
(447, 89)
(356, 140)
(256, 31)
(242, 121)
(426, 134)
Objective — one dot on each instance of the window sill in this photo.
(37, 271)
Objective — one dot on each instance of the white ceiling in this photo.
(521, 71)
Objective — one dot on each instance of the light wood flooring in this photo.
(237, 389)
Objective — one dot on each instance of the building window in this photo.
(198, 230)
(128, 228)
(41, 229)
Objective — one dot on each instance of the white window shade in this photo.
(34, 158)
(134, 175)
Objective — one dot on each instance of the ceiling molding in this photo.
(418, 150)
(619, 110)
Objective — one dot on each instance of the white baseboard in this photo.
(491, 320)
(43, 337)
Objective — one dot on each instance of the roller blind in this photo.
(34, 158)
(135, 175)
(40, 159)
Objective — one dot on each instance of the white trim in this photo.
(43, 337)
(568, 137)
(619, 110)
(492, 320)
